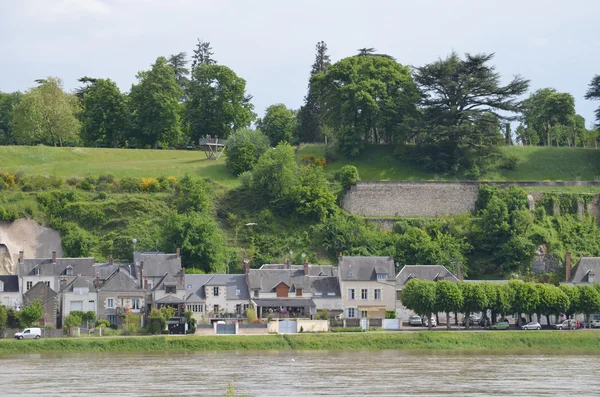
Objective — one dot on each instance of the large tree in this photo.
(365, 98)
(593, 93)
(278, 124)
(546, 109)
(202, 55)
(460, 98)
(448, 298)
(105, 114)
(178, 62)
(310, 115)
(217, 103)
(155, 105)
(46, 114)
(244, 148)
(8, 101)
(420, 297)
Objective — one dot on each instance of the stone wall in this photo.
(428, 199)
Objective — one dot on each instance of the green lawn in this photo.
(534, 164)
(136, 163)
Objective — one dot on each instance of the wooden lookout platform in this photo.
(213, 148)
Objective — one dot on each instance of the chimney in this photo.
(179, 252)
(146, 283)
(142, 276)
(247, 265)
(306, 266)
(63, 283)
(54, 257)
(21, 256)
(110, 260)
(182, 275)
(568, 267)
(287, 263)
(340, 257)
(97, 281)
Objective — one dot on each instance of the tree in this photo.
(155, 105)
(7, 104)
(202, 55)
(3, 320)
(47, 115)
(31, 313)
(178, 62)
(475, 299)
(553, 301)
(448, 298)
(525, 297)
(275, 175)
(72, 320)
(311, 115)
(365, 98)
(105, 114)
(191, 195)
(311, 195)
(244, 148)
(278, 124)
(347, 176)
(508, 141)
(217, 103)
(593, 93)
(156, 322)
(420, 296)
(589, 301)
(460, 98)
(500, 301)
(547, 108)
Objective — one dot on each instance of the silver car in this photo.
(415, 320)
(532, 325)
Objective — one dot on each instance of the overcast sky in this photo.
(270, 43)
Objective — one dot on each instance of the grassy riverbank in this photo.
(509, 341)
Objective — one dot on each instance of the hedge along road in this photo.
(551, 341)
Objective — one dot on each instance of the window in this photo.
(29, 285)
(135, 304)
(350, 275)
(331, 294)
(256, 293)
(47, 283)
(195, 308)
(364, 294)
(318, 294)
(216, 308)
(1, 287)
(381, 276)
(112, 318)
(364, 314)
(351, 294)
(298, 291)
(110, 304)
(215, 291)
(36, 271)
(237, 292)
(69, 271)
(170, 289)
(377, 294)
(149, 285)
(351, 312)
(76, 306)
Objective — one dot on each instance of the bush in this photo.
(313, 161)
(322, 315)
(509, 162)
(347, 329)
(244, 148)
(150, 185)
(128, 185)
(347, 176)
(331, 153)
(390, 314)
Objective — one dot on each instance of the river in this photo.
(306, 373)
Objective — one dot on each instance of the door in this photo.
(364, 323)
(287, 327)
(225, 329)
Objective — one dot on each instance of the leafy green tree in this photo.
(46, 114)
(275, 175)
(31, 313)
(500, 301)
(278, 124)
(155, 104)
(244, 148)
(347, 176)
(448, 298)
(202, 243)
(589, 301)
(178, 62)
(156, 322)
(3, 319)
(72, 320)
(217, 103)
(461, 110)
(202, 55)
(525, 297)
(311, 195)
(105, 114)
(7, 104)
(547, 108)
(420, 297)
(574, 296)
(191, 195)
(416, 247)
(593, 93)
(553, 301)
(364, 99)
(311, 115)
(475, 299)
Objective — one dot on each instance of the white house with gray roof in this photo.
(10, 296)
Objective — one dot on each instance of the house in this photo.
(118, 294)
(154, 265)
(10, 296)
(78, 295)
(226, 296)
(585, 271)
(422, 272)
(367, 285)
(49, 299)
(195, 298)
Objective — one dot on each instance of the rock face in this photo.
(26, 235)
(544, 262)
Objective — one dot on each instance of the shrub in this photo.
(347, 329)
(509, 162)
(7, 180)
(313, 161)
(331, 153)
(102, 323)
(251, 315)
(128, 185)
(390, 314)
(347, 176)
(322, 315)
(244, 148)
(150, 185)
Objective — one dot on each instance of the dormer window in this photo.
(381, 276)
(170, 289)
(36, 271)
(69, 271)
(350, 275)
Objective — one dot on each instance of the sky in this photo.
(271, 43)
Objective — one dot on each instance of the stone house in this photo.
(152, 266)
(367, 286)
(585, 271)
(226, 296)
(169, 291)
(118, 294)
(79, 295)
(49, 300)
(195, 299)
(10, 296)
(422, 272)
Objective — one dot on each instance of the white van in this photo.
(29, 333)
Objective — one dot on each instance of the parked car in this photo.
(566, 324)
(500, 325)
(473, 319)
(415, 320)
(433, 322)
(595, 323)
(29, 333)
(532, 325)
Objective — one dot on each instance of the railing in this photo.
(212, 141)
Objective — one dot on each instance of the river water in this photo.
(307, 373)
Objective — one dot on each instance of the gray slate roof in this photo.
(325, 285)
(313, 270)
(11, 283)
(81, 266)
(169, 299)
(266, 280)
(584, 267)
(232, 282)
(121, 281)
(365, 268)
(157, 264)
(298, 302)
(194, 285)
(424, 272)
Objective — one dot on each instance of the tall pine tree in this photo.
(202, 55)
(310, 116)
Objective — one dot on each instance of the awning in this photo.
(284, 302)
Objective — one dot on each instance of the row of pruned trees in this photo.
(427, 298)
